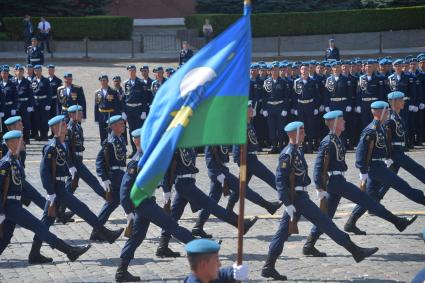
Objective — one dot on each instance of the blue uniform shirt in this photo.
(395, 125)
(252, 145)
(137, 95)
(8, 98)
(276, 95)
(216, 157)
(117, 156)
(338, 92)
(41, 91)
(24, 92)
(10, 165)
(127, 183)
(75, 137)
(72, 95)
(35, 55)
(107, 104)
(305, 94)
(406, 84)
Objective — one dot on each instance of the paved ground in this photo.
(400, 257)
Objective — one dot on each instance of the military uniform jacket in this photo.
(10, 165)
(305, 95)
(291, 158)
(117, 157)
(74, 97)
(370, 90)
(252, 145)
(137, 96)
(255, 92)
(24, 92)
(41, 91)
(107, 103)
(396, 128)
(8, 97)
(321, 81)
(156, 84)
(225, 275)
(185, 55)
(406, 84)
(338, 92)
(334, 147)
(35, 55)
(376, 132)
(332, 54)
(127, 183)
(420, 86)
(216, 162)
(22, 153)
(30, 78)
(276, 95)
(54, 149)
(75, 138)
(55, 83)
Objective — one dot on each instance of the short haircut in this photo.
(195, 259)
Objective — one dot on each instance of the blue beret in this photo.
(408, 57)
(171, 69)
(370, 61)
(283, 65)
(202, 246)
(274, 64)
(346, 62)
(55, 120)
(19, 67)
(136, 133)
(159, 68)
(75, 108)
(116, 78)
(388, 62)
(144, 67)
(293, 126)
(12, 120)
(398, 62)
(67, 75)
(103, 77)
(304, 64)
(50, 66)
(131, 67)
(294, 65)
(313, 62)
(37, 67)
(420, 55)
(12, 135)
(379, 105)
(262, 65)
(335, 63)
(413, 60)
(269, 66)
(333, 115)
(261, 62)
(254, 66)
(5, 68)
(383, 61)
(114, 119)
(30, 66)
(395, 95)
(33, 38)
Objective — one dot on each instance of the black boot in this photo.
(198, 230)
(248, 223)
(350, 226)
(274, 149)
(309, 248)
(403, 223)
(269, 271)
(104, 234)
(359, 253)
(163, 249)
(272, 207)
(35, 257)
(73, 253)
(65, 217)
(122, 274)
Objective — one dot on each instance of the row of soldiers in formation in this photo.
(379, 156)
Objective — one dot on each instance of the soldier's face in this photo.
(398, 104)
(37, 72)
(117, 84)
(210, 266)
(68, 80)
(132, 72)
(137, 142)
(254, 72)
(275, 72)
(30, 71)
(304, 71)
(336, 69)
(118, 127)
(413, 66)
(263, 72)
(34, 43)
(398, 68)
(14, 145)
(145, 73)
(17, 126)
(319, 69)
(5, 75)
(104, 83)
(340, 124)
(51, 72)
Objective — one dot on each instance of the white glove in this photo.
(358, 109)
(389, 162)
(421, 106)
(261, 111)
(1, 114)
(221, 178)
(316, 112)
(30, 109)
(348, 109)
(411, 107)
(415, 108)
(72, 171)
(363, 177)
(124, 116)
(3, 217)
(327, 109)
(321, 194)
(322, 108)
(296, 112)
(240, 272)
(107, 185)
(13, 112)
(47, 108)
(167, 196)
(254, 112)
(143, 116)
(51, 199)
(290, 209)
(130, 217)
(292, 111)
(284, 113)
(265, 113)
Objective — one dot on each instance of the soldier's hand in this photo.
(47, 108)
(411, 107)
(143, 116)
(321, 108)
(358, 109)
(290, 209)
(415, 109)
(321, 194)
(13, 112)
(51, 199)
(106, 185)
(327, 109)
(348, 109)
(221, 178)
(124, 116)
(422, 106)
(167, 196)
(363, 177)
(240, 272)
(389, 162)
(316, 112)
(296, 112)
(265, 113)
(2, 218)
(1, 114)
(284, 113)
(72, 171)
(30, 109)
(130, 217)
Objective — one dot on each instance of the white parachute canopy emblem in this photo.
(195, 78)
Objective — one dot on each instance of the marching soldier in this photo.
(55, 169)
(276, 106)
(25, 100)
(9, 99)
(35, 54)
(55, 83)
(137, 99)
(11, 211)
(70, 94)
(107, 103)
(116, 80)
(184, 180)
(42, 97)
(372, 160)
(110, 167)
(140, 218)
(185, 54)
(331, 185)
(292, 181)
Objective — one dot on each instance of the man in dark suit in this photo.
(332, 52)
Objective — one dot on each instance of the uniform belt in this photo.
(334, 173)
(399, 143)
(186, 176)
(252, 152)
(9, 103)
(406, 98)
(23, 99)
(338, 99)
(118, 168)
(61, 179)
(378, 159)
(275, 102)
(305, 101)
(300, 188)
(134, 104)
(79, 153)
(106, 110)
(369, 99)
(54, 97)
(40, 97)
(35, 59)
(14, 197)
(64, 108)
